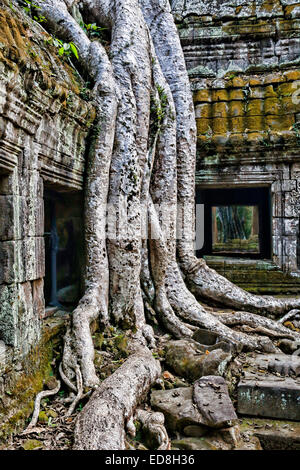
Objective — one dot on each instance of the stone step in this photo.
(271, 387)
(272, 434)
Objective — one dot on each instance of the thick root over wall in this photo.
(143, 155)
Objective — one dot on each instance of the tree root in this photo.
(269, 327)
(101, 423)
(154, 429)
(37, 406)
(79, 395)
(293, 314)
(205, 283)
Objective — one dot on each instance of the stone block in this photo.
(271, 397)
(7, 262)
(33, 256)
(191, 360)
(8, 313)
(220, 109)
(203, 111)
(210, 394)
(254, 107)
(291, 226)
(236, 108)
(7, 221)
(178, 408)
(38, 298)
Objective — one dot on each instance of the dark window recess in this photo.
(63, 247)
(237, 222)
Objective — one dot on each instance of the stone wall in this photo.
(44, 125)
(243, 61)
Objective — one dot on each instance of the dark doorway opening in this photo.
(63, 248)
(237, 222)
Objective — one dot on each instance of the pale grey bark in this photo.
(101, 424)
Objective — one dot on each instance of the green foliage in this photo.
(64, 48)
(29, 8)
(11, 7)
(92, 30)
(80, 406)
(158, 109)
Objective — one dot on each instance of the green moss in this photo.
(24, 385)
(32, 444)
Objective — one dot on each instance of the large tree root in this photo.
(205, 283)
(270, 327)
(101, 424)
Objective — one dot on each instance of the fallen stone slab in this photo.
(188, 359)
(278, 440)
(273, 434)
(178, 409)
(210, 395)
(269, 396)
(282, 364)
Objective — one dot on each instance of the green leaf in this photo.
(74, 50)
(61, 51)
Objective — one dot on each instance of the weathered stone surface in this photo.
(279, 440)
(282, 364)
(205, 337)
(272, 434)
(231, 435)
(44, 125)
(178, 408)
(7, 261)
(38, 298)
(193, 443)
(68, 294)
(270, 396)
(285, 365)
(6, 218)
(210, 394)
(188, 359)
(226, 439)
(193, 430)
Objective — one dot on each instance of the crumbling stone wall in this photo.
(43, 135)
(243, 61)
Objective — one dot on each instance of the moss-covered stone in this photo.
(25, 383)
